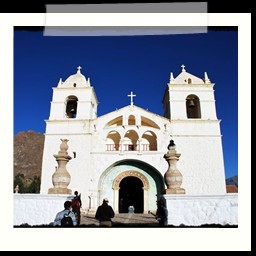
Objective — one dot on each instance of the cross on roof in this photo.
(183, 67)
(79, 69)
(131, 95)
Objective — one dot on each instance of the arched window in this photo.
(113, 141)
(189, 81)
(71, 107)
(131, 120)
(118, 121)
(130, 141)
(149, 141)
(193, 106)
(148, 122)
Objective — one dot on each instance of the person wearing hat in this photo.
(104, 214)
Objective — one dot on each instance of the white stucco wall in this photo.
(201, 164)
(35, 209)
(199, 210)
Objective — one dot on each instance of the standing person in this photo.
(76, 206)
(104, 214)
(66, 212)
(162, 214)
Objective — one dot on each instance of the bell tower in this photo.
(189, 103)
(74, 98)
(73, 107)
(188, 96)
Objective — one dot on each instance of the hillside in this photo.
(28, 152)
(232, 181)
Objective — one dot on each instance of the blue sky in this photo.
(120, 64)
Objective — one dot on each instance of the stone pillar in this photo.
(173, 177)
(61, 178)
(92, 203)
(138, 120)
(121, 149)
(116, 200)
(145, 194)
(140, 146)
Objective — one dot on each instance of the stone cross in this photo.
(183, 67)
(79, 69)
(131, 95)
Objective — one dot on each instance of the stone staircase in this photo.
(123, 220)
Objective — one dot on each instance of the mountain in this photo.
(28, 152)
(232, 181)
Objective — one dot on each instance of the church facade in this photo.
(120, 155)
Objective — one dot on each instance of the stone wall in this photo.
(35, 209)
(190, 210)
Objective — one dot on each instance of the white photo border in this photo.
(119, 239)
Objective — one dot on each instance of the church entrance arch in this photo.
(131, 194)
(122, 177)
(131, 189)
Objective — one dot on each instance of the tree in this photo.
(34, 187)
(18, 180)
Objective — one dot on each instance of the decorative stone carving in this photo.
(64, 147)
(118, 179)
(61, 177)
(173, 177)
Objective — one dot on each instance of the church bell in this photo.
(191, 104)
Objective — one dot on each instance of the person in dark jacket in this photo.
(162, 214)
(104, 214)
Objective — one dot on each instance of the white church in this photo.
(124, 155)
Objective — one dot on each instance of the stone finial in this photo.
(171, 145)
(206, 78)
(61, 177)
(171, 77)
(60, 82)
(173, 177)
(63, 146)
